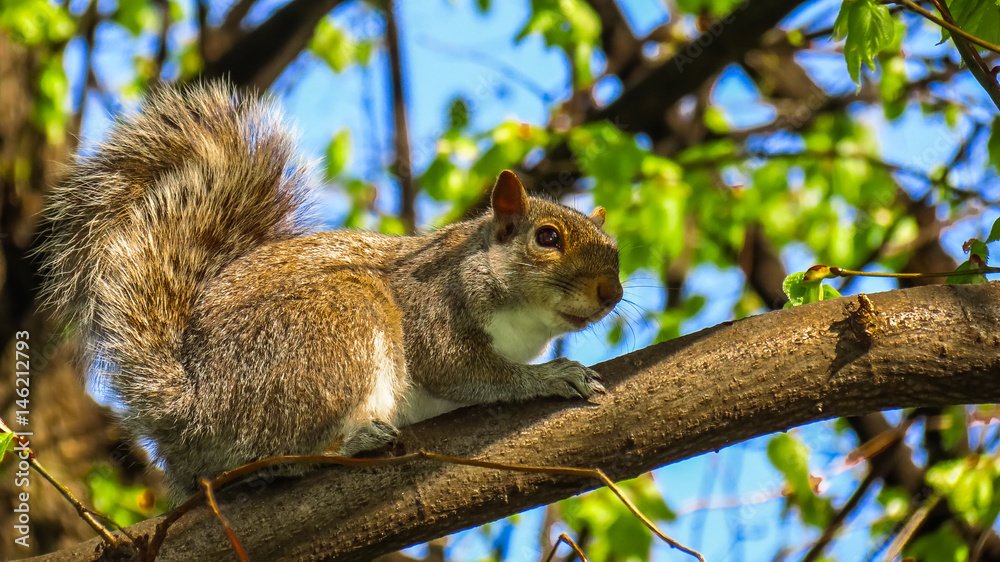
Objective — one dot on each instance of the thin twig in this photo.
(161, 50)
(210, 500)
(911, 527)
(977, 66)
(977, 549)
(564, 538)
(87, 514)
(838, 519)
(839, 272)
(589, 472)
(950, 27)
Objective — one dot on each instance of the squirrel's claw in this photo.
(571, 379)
(596, 385)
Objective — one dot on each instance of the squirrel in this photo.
(180, 251)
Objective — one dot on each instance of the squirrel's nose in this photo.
(609, 292)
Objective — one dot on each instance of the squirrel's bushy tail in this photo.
(194, 180)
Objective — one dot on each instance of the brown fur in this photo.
(230, 336)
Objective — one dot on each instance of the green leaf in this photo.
(791, 457)
(617, 331)
(892, 87)
(136, 15)
(392, 225)
(970, 484)
(715, 119)
(993, 144)
(458, 113)
(571, 25)
(49, 111)
(337, 153)
(32, 22)
(979, 249)
(896, 501)
(974, 278)
(980, 18)
(439, 178)
(994, 232)
(953, 426)
(337, 47)
(869, 29)
(716, 8)
(6, 443)
(943, 545)
(806, 287)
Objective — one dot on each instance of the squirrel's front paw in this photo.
(568, 378)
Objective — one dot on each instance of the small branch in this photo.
(85, 513)
(564, 538)
(256, 57)
(838, 519)
(231, 23)
(161, 51)
(983, 74)
(210, 499)
(591, 472)
(87, 23)
(954, 29)
(875, 253)
(202, 15)
(898, 543)
(838, 272)
(402, 167)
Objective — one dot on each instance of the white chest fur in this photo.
(417, 405)
(520, 334)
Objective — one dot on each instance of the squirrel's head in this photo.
(559, 261)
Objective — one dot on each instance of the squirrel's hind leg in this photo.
(371, 437)
(378, 362)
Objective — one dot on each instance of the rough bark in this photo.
(931, 346)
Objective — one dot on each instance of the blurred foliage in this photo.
(617, 533)
(338, 48)
(125, 504)
(791, 456)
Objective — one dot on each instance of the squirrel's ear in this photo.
(597, 216)
(509, 197)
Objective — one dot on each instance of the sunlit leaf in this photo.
(337, 153)
(869, 29)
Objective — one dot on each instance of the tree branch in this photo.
(402, 167)
(982, 73)
(938, 346)
(259, 56)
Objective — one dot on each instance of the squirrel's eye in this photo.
(548, 237)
